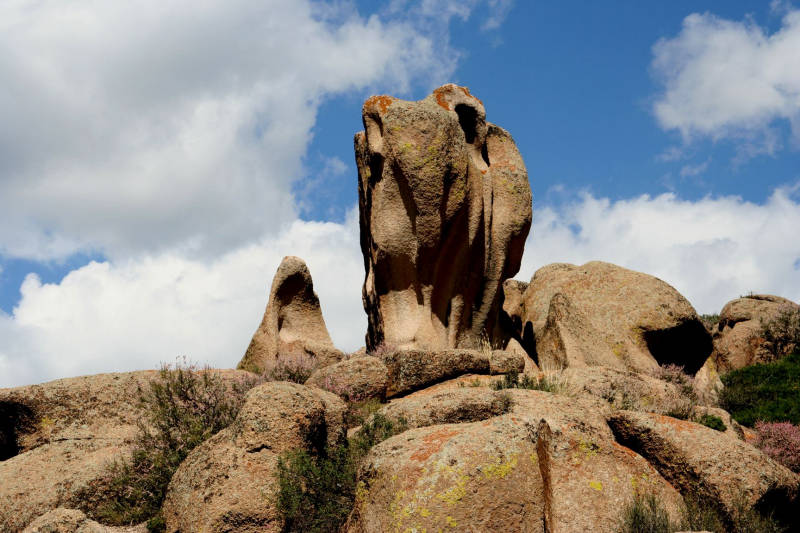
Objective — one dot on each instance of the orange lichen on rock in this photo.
(433, 443)
(441, 99)
(381, 103)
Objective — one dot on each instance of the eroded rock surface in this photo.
(445, 207)
(63, 520)
(738, 339)
(603, 314)
(64, 433)
(355, 379)
(708, 463)
(229, 483)
(292, 326)
(411, 370)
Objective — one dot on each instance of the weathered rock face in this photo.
(62, 434)
(63, 520)
(229, 483)
(738, 340)
(292, 326)
(601, 314)
(411, 370)
(550, 464)
(355, 379)
(445, 207)
(709, 464)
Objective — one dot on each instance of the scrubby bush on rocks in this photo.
(316, 492)
(184, 406)
(782, 333)
(781, 441)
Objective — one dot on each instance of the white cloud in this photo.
(137, 313)
(694, 170)
(147, 126)
(134, 314)
(711, 250)
(498, 11)
(733, 80)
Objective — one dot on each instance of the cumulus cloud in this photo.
(137, 313)
(147, 126)
(725, 79)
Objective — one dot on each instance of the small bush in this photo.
(768, 392)
(513, 380)
(183, 406)
(316, 493)
(713, 422)
(781, 441)
(710, 321)
(683, 404)
(358, 412)
(782, 334)
(296, 367)
(701, 515)
(646, 514)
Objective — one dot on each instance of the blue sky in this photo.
(148, 189)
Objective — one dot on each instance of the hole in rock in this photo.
(14, 418)
(687, 345)
(468, 118)
(485, 154)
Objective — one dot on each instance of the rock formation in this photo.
(601, 314)
(292, 327)
(61, 434)
(738, 339)
(228, 483)
(445, 208)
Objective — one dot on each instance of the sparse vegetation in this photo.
(768, 392)
(184, 406)
(713, 422)
(295, 367)
(710, 321)
(647, 514)
(513, 380)
(782, 334)
(682, 405)
(316, 493)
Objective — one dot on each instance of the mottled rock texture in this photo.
(63, 520)
(229, 483)
(445, 207)
(411, 370)
(600, 314)
(61, 436)
(708, 463)
(738, 339)
(355, 379)
(292, 326)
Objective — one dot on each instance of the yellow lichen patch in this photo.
(454, 494)
(534, 458)
(596, 485)
(588, 448)
(451, 521)
(424, 512)
(500, 468)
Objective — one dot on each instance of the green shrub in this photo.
(713, 422)
(183, 407)
(768, 392)
(710, 320)
(513, 380)
(316, 493)
(646, 514)
(782, 333)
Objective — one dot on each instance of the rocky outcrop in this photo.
(411, 370)
(738, 338)
(709, 464)
(453, 406)
(62, 434)
(606, 315)
(550, 464)
(228, 483)
(63, 520)
(355, 379)
(445, 207)
(292, 327)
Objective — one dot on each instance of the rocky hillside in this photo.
(584, 400)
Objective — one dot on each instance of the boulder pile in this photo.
(546, 406)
